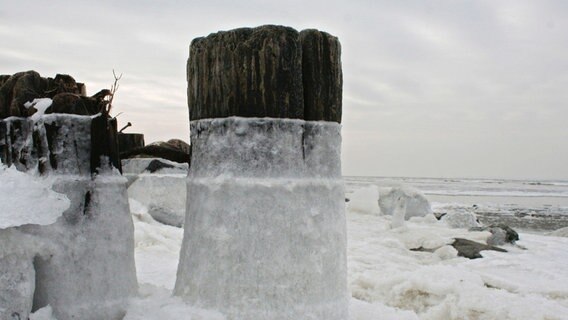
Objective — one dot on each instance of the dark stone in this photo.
(129, 141)
(246, 72)
(180, 144)
(72, 103)
(156, 165)
(68, 96)
(471, 249)
(63, 83)
(511, 235)
(4, 78)
(19, 89)
(163, 150)
(321, 75)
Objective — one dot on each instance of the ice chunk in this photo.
(399, 212)
(365, 200)
(26, 199)
(460, 219)
(416, 203)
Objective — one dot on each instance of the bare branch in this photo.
(113, 90)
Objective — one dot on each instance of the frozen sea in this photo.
(386, 279)
(528, 205)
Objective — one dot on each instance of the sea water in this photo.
(529, 205)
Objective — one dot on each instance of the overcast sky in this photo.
(431, 88)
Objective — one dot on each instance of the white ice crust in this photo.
(25, 199)
(265, 226)
(162, 192)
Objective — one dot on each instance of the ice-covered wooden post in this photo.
(265, 223)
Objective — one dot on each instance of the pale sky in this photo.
(431, 88)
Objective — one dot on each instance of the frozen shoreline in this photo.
(389, 281)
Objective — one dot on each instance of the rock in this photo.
(471, 249)
(162, 150)
(416, 203)
(68, 95)
(460, 219)
(501, 234)
(64, 83)
(156, 165)
(137, 166)
(180, 144)
(72, 103)
(4, 78)
(19, 89)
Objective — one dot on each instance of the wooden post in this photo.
(265, 201)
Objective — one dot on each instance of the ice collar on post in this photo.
(265, 194)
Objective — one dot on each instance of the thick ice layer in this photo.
(25, 199)
(265, 147)
(88, 271)
(54, 141)
(265, 226)
(17, 274)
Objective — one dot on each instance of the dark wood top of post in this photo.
(268, 71)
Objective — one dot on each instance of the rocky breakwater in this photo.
(265, 192)
(81, 263)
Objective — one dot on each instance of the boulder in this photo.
(22, 87)
(19, 89)
(180, 144)
(471, 249)
(160, 149)
(501, 234)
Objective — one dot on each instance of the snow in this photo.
(388, 281)
(16, 191)
(40, 104)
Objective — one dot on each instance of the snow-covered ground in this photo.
(386, 279)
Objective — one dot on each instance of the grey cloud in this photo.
(445, 88)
